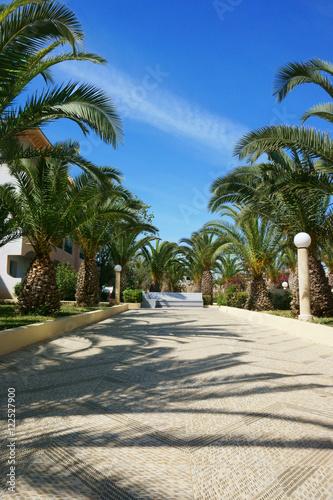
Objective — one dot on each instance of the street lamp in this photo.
(118, 269)
(303, 241)
(285, 285)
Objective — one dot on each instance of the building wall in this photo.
(8, 282)
(20, 251)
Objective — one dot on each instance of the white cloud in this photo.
(146, 101)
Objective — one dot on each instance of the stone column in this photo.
(117, 290)
(304, 285)
(302, 241)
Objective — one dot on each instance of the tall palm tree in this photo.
(123, 245)
(46, 206)
(227, 266)
(32, 36)
(255, 242)
(204, 248)
(272, 190)
(159, 258)
(94, 234)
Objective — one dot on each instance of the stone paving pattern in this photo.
(171, 404)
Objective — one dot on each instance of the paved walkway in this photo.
(171, 404)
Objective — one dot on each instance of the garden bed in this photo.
(10, 319)
(319, 333)
(15, 338)
(287, 314)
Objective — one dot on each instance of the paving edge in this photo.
(16, 338)
(320, 334)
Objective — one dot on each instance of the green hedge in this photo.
(207, 300)
(66, 277)
(132, 296)
(17, 289)
(232, 298)
(281, 302)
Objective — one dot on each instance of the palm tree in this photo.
(94, 234)
(159, 258)
(8, 229)
(314, 71)
(46, 206)
(326, 255)
(32, 34)
(227, 266)
(204, 248)
(256, 242)
(304, 140)
(272, 190)
(193, 267)
(173, 276)
(123, 245)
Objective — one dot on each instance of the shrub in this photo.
(66, 280)
(17, 289)
(132, 296)
(207, 300)
(232, 299)
(281, 301)
(231, 289)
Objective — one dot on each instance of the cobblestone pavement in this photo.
(171, 404)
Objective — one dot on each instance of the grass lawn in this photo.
(10, 319)
(287, 314)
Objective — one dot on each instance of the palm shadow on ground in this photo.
(129, 371)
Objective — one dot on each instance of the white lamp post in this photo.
(302, 241)
(285, 285)
(118, 269)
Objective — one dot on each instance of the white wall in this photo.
(7, 282)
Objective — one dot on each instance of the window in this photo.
(13, 268)
(81, 254)
(68, 245)
(60, 245)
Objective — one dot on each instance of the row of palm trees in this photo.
(268, 202)
(292, 187)
(262, 204)
(42, 202)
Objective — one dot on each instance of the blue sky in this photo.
(189, 77)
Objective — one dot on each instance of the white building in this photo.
(15, 257)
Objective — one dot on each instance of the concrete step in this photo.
(179, 303)
(165, 299)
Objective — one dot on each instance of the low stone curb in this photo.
(317, 333)
(16, 338)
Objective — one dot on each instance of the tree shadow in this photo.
(148, 381)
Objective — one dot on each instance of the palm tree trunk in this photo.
(167, 288)
(293, 280)
(207, 283)
(87, 288)
(123, 280)
(39, 292)
(155, 286)
(258, 298)
(330, 279)
(321, 297)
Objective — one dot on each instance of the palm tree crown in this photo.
(31, 35)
